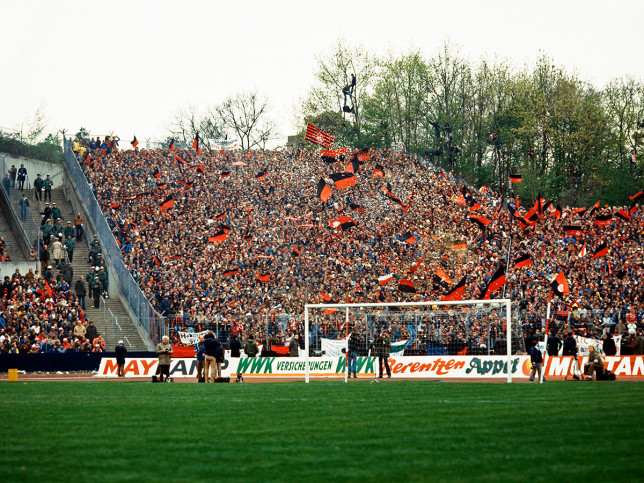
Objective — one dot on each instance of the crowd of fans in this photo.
(241, 239)
(40, 316)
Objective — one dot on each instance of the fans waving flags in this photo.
(134, 142)
(317, 136)
(496, 282)
(560, 285)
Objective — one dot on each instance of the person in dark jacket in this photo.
(570, 346)
(294, 346)
(219, 360)
(210, 350)
(80, 292)
(92, 331)
(200, 354)
(610, 349)
(120, 351)
(352, 359)
(536, 359)
(382, 348)
(553, 344)
(235, 347)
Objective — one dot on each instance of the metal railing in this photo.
(151, 322)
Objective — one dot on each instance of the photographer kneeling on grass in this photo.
(595, 363)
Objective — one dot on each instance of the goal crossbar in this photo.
(496, 303)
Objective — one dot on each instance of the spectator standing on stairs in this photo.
(79, 288)
(47, 185)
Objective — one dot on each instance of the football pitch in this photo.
(323, 431)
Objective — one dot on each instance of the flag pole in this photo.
(507, 264)
(346, 353)
(545, 336)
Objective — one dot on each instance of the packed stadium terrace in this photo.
(42, 314)
(237, 238)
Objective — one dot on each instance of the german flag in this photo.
(317, 136)
(323, 190)
(572, 230)
(346, 223)
(407, 238)
(406, 286)
(180, 159)
(456, 293)
(480, 221)
(225, 174)
(603, 220)
(602, 251)
(171, 147)
(522, 261)
(559, 285)
(623, 215)
(134, 142)
(218, 237)
(637, 196)
(167, 203)
(261, 175)
(230, 273)
(496, 282)
(186, 183)
(264, 277)
(115, 205)
(343, 180)
(334, 153)
(516, 178)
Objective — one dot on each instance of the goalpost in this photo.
(418, 328)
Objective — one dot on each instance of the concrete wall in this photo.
(8, 268)
(34, 166)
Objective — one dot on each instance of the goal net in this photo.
(414, 334)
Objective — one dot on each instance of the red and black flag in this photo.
(156, 173)
(516, 178)
(594, 208)
(317, 136)
(393, 198)
(602, 251)
(346, 223)
(353, 166)
(171, 147)
(559, 285)
(633, 209)
(521, 221)
(379, 171)
(197, 145)
(261, 175)
(167, 203)
(134, 142)
(157, 261)
(323, 190)
(496, 282)
(115, 205)
(438, 280)
(230, 273)
(456, 293)
(295, 252)
(580, 211)
(329, 159)
(225, 174)
(162, 185)
(407, 238)
(343, 180)
(264, 277)
(363, 155)
(221, 216)
(199, 168)
(480, 221)
(556, 212)
(522, 261)
(637, 196)
(416, 265)
(186, 183)
(623, 215)
(572, 230)
(603, 220)
(406, 286)
(218, 237)
(357, 208)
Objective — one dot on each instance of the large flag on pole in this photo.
(317, 136)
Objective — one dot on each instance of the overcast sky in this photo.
(127, 66)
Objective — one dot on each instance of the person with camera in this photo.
(382, 348)
(595, 363)
(164, 352)
(352, 356)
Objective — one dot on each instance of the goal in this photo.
(418, 330)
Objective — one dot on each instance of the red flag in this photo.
(516, 178)
(463, 352)
(134, 142)
(603, 220)
(379, 171)
(636, 196)
(480, 221)
(323, 190)
(343, 180)
(115, 205)
(229, 273)
(49, 292)
(443, 276)
(602, 251)
(156, 260)
(385, 279)
(167, 203)
(218, 237)
(416, 265)
(317, 136)
(406, 286)
(171, 147)
(334, 153)
(522, 261)
(264, 277)
(572, 230)
(180, 159)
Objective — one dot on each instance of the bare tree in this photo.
(245, 114)
(189, 122)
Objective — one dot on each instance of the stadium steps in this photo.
(11, 244)
(81, 268)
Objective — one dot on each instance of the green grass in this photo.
(362, 431)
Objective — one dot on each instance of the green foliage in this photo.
(569, 140)
(50, 149)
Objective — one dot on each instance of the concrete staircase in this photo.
(112, 312)
(11, 244)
